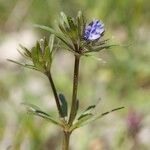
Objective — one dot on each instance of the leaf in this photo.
(63, 29)
(62, 38)
(87, 111)
(51, 42)
(26, 51)
(35, 110)
(37, 58)
(13, 61)
(98, 48)
(64, 105)
(84, 115)
(80, 23)
(98, 43)
(46, 28)
(95, 57)
(105, 113)
(71, 23)
(81, 121)
(35, 55)
(23, 54)
(90, 107)
(47, 57)
(24, 65)
(93, 118)
(64, 18)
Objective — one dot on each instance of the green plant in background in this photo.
(81, 39)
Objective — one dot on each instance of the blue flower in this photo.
(94, 30)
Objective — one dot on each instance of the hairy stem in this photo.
(74, 93)
(55, 93)
(66, 138)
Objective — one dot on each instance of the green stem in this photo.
(55, 93)
(66, 138)
(74, 93)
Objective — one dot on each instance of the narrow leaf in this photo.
(90, 107)
(27, 52)
(35, 110)
(81, 121)
(37, 58)
(51, 42)
(80, 24)
(24, 65)
(64, 105)
(91, 119)
(62, 38)
(13, 61)
(47, 57)
(84, 115)
(23, 54)
(64, 17)
(98, 48)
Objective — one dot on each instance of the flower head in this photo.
(94, 30)
(79, 37)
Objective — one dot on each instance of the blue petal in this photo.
(94, 30)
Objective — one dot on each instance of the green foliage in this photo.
(82, 120)
(40, 55)
(64, 105)
(87, 118)
(35, 110)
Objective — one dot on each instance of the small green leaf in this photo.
(63, 29)
(90, 107)
(51, 42)
(80, 24)
(64, 105)
(35, 110)
(71, 23)
(23, 65)
(23, 54)
(47, 57)
(87, 111)
(64, 18)
(98, 43)
(26, 51)
(105, 113)
(13, 61)
(94, 57)
(82, 121)
(59, 36)
(37, 58)
(84, 115)
(93, 118)
(35, 55)
(91, 49)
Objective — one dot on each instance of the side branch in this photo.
(55, 93)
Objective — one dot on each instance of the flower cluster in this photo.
(78, 36)
(94, 30)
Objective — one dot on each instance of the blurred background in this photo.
(121, 78)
